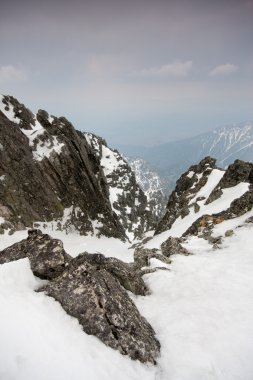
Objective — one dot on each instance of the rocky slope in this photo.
(205, 196)
(50, 172)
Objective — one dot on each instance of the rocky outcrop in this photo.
(173, 246)
(49, 172)
(128, 275)
(47, 256)
(103, 308)
(92, 288)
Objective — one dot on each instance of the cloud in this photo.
(11, 74)
(221, 70)
(175, 69)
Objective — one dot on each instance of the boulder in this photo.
(46, 255)
(172, 246)
(104, 309)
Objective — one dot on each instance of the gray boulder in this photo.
(173, 246)
(103, 308)
(46, 255)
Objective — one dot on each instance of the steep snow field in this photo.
(201, 310)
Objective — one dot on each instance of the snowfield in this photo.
(201, 310)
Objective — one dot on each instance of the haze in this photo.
(134, 72)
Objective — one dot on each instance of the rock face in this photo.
(49, 172)
(92, 288)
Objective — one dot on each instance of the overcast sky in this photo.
(135, 72)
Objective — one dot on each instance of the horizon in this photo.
(138, 73)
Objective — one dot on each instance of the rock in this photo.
(142, 257)
(46, 255)
(128, 275)
(14, 252)
(229, 233)
(104, 309)
(172, 246)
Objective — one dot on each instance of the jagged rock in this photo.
(46, 255)
(249, 220)
(104, 309)
(128, 275)
(172, 246)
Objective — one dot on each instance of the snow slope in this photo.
(201, 310)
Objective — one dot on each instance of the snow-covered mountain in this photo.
(225, 144)
(52, 173)
(155, 187)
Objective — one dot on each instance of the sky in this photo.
(134, 72)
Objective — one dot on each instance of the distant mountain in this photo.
(225, 144)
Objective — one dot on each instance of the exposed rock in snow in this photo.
(47, 256)
(172, 246)
(104, 309)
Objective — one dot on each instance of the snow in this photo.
(114, 193)
(110, 160)
(201, 310)
(1, 220)
(44, 149)
(213, 179)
